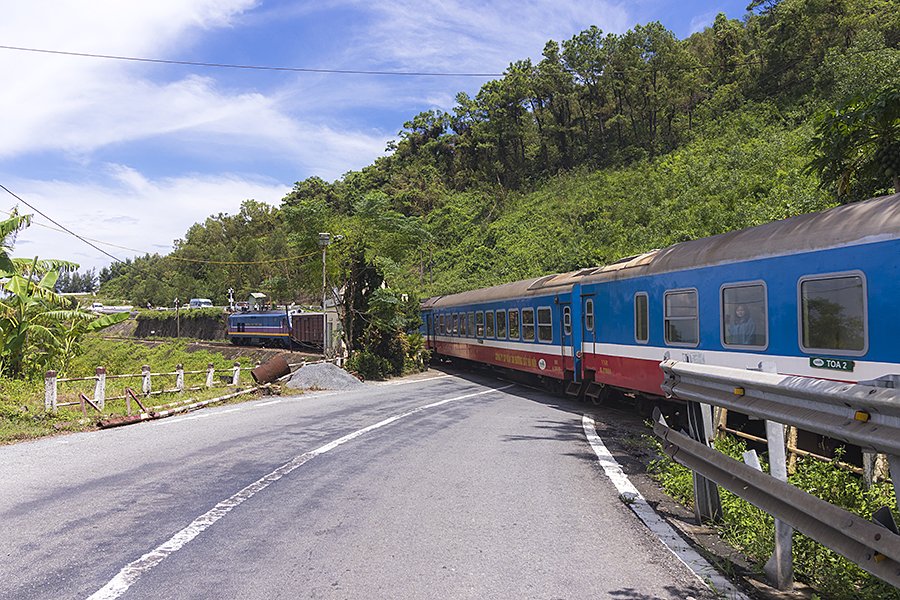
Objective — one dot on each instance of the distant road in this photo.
(448, 487)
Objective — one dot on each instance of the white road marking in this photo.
(387, 383)
(133, 571)
(270, 402)
(666, 534)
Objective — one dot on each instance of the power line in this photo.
(169, 256)
(249, 67)
(61, 226)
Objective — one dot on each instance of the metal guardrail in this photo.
(873, 547)
(866, 416)
(863, 415)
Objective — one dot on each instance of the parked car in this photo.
(200, 303)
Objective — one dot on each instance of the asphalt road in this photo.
(472, 491)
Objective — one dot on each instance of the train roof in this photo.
(848, 225)
(273, 313)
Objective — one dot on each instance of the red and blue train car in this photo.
(814, 295)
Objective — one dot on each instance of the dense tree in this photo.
(857, 146)
(75, 282)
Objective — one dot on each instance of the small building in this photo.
(256, 301)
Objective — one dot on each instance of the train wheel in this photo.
(601, 396)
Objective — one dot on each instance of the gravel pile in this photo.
(323, 376)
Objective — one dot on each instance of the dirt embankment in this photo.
(199, 328)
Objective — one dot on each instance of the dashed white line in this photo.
(133, 571)
(666, 534)
(269, 403)
(390, 383)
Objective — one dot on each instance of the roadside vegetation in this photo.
(752, 531)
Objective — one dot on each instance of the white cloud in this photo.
(702, 21)
(129, 210)
(471, 36)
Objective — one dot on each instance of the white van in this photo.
(201, 303)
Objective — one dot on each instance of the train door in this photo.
(566, 349)
(573, 334)
(588, 322)
(429, 330)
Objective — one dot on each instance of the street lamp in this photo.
(325, 240)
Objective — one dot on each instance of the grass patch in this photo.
(752, 531)
(22, 414)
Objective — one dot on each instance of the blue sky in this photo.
(132, 154)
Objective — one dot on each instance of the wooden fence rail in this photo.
(100, 377)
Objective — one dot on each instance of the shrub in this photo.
(369, 365)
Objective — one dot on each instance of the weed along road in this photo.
(442, 487)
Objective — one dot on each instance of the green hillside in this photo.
(608, 146)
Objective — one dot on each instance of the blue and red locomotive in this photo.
(814, 295)
(276, 328)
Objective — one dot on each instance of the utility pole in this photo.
(177, 319)
(325, 240)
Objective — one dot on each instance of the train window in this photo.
(567, 320)
(589, 314)
(489, 324)
(641, 318)
(514, 324)
(462, 325)
(501, 324)
(744, 315)
(833, 313)
(471, 324)
(455, 324)
(545, 324)
(528, 324)
(479, 324)
(441, 326)
(681, 318)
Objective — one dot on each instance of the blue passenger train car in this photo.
(814, 295)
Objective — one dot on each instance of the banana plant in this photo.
(37, 325)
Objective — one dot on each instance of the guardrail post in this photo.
(780, 567)
(100, 388)
(210, 374)
(50, 391)
(146, 385)
(236, 374)
(707, 504)
(179, 378)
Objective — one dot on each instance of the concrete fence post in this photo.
(146, 385)
(100, 388)
(179, 378)
(50, 391)
(210, 374)
(236, 374)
